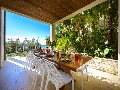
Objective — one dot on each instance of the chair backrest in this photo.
(41, 64)
(53, 73)
(29, 57)
(35, 60)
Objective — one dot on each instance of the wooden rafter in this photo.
(49, 11)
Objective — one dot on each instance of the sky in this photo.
(21, 27)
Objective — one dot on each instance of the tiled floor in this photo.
(13, 76)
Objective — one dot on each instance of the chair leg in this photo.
(27, 66)
(46, 84)
(42, 80)
(30, 68)
(35, 80)
(57, 88)
(87, 74)
(82, 81)
(73, 84)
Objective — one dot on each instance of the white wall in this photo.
(119, 39)
(2, 38)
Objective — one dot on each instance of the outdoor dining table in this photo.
(68, 66)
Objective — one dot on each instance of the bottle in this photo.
(58, 54)
(55, 55)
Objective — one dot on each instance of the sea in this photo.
(44, 46)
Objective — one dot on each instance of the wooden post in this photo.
(119, 39)
(52, 34)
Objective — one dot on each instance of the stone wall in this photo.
(105, 65)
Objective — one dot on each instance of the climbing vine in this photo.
(93, 31)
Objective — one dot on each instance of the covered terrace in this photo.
(47, 11)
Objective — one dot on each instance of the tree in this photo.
(17, 44)
(24, 44)
(37, 43)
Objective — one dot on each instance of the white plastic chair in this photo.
(57, 77)
(29, 62)
(32, 61)
(35, 63)
(39, 69)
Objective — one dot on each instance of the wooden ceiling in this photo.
(49, 11)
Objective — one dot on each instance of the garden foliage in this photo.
(93, 31)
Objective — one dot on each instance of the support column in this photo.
(2, 30)
(52, 34)
(4, 35)
(119, 39)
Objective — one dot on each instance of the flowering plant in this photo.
(49, 43)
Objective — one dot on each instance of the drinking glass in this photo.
(77, 57)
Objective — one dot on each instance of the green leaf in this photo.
(106, 51)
